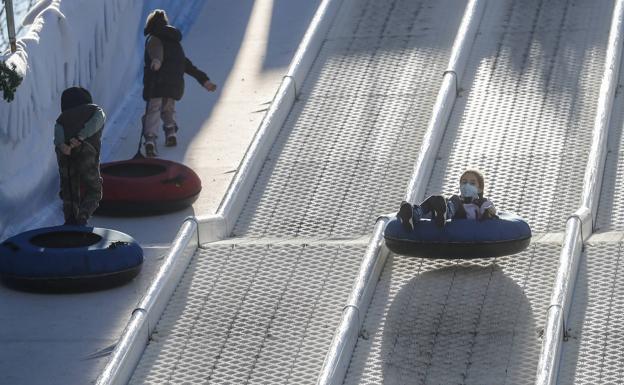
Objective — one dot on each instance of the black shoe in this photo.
(438, 209)
(405, 215)
(439, 219)
(437, 203)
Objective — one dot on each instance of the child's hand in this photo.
(489, 213)
(155, 66)
(65, 149)
(210, 86)
(74, 142)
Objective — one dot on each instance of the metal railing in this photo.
(10, 21)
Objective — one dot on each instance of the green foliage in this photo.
(9, 81)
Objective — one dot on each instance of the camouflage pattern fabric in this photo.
(81, 168)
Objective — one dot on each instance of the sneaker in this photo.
(170, 136)
(171, 140)
(150, 148)
(405, 215)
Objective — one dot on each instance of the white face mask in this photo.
(466, 190)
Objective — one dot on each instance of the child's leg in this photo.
(167, 113)
(92, 181)
(69, 194)
(170, 126)
(436, 205)
(151, 119)
(451, 208)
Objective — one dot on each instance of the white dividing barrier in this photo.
(197, 231)
(144, 317)
(337, 359)
(580, 225)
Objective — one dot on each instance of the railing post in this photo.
(8, 6)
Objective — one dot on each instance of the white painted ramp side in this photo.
(592, 354)
(262, 307)
(611, 206)
(524, 118)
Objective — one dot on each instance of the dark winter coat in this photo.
(458, 204)
(77, 109)
(74, 119)
(168, 81)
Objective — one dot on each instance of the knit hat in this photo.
(74, 97)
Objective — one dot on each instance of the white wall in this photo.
(95, 44)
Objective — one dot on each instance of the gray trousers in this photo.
(157, 109)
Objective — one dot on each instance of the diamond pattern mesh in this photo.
(525, 119)
(593, 352)
(526, 116)
(348, 148)
(251, 314)
(262, 307)
(446, 322)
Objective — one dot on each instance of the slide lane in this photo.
(524, 118)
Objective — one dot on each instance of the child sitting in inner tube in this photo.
(470, 204)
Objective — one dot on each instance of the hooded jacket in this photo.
(168, 81)
(79, 118)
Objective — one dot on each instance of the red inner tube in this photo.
(148, 180)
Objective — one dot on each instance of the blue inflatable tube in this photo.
(460, 238)
(69, 258)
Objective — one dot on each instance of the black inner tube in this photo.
(65, 239)
(133, 170)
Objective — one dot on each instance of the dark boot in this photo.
(437, 206)
(81, 220)
(405, 215)
(70, 222)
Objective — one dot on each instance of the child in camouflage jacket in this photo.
(77, 140)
